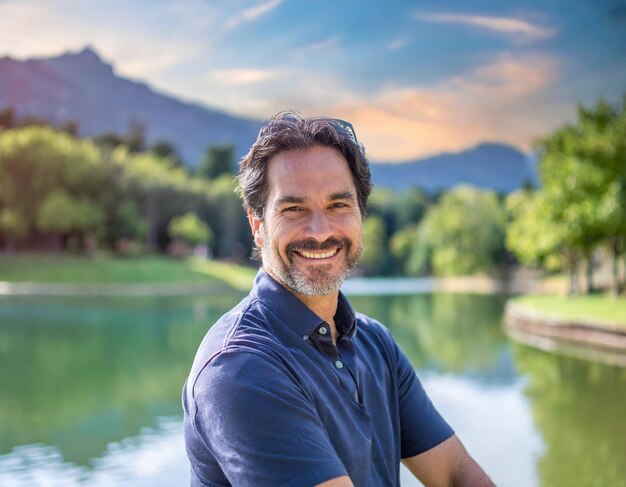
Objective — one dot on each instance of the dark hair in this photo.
(288, 131)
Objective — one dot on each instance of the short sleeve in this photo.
(259, 425)
(421, 425)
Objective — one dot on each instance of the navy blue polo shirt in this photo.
(271, 401)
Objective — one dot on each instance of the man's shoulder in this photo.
(371, 326)
(240, 329)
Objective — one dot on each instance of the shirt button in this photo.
(339, 364)
(305, 337)
(323, 330)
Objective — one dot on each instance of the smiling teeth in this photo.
(323, 255)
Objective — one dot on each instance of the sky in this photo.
(415, 78)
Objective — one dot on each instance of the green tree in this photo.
(12, 226)
(218, 160)
(190, 228)
(582, 202)
(36, 161)
(375, 245)
(60, 214)
(412, 250)
(465, 231)
(126, 222)
(166, 150)
(225, 215)
(538, 236)
(108, 140)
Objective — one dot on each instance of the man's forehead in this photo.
(315, 172)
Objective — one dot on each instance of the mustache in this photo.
(313, 245)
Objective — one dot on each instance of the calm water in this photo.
(90, 390)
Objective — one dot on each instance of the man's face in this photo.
(311, 236)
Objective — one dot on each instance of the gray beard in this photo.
(322, 283)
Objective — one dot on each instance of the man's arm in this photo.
(343, 481)
(447, 464)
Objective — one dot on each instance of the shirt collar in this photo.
(294, 313)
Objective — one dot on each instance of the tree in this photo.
(225, 214)
(218, 160)
(538, 236)
(36, 161)
(465, 231)
(108, 140)
(60, 214)
(126, 222)
(135, 138)
(375, 245)
(582, 203)
(12, 226)
(412, 250)
(165, 150)
(7, 118)
(190, 228)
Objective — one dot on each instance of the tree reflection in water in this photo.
(580, 408)
(80, 373)
(458, 333)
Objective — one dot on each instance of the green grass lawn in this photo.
(111, 269)
(597, 309)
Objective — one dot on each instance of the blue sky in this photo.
(415, 78)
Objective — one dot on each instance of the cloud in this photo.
(251, 14)
(505, 100)
(241, 76)
(325, 44)
(511, 27)
(399, 43)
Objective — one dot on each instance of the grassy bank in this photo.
(592, 310)
(111, 269)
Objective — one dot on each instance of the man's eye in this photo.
(339, 205)
(292, 209)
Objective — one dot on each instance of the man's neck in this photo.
(323, 306)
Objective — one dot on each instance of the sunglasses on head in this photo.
(346, 127)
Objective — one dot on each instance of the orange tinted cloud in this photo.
(499, 101)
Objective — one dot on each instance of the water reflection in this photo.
(579, 408)
(458, 333)
(86, 385)
(82, 373)
(155, 457)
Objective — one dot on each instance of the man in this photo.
(292, 387)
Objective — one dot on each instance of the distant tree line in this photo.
(457, 232)
(60, 192)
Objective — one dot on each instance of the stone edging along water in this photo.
(522, 323)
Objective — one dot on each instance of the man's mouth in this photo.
(322, 254)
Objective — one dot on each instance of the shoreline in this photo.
(523, 324)
(113, 289)
(355, 286)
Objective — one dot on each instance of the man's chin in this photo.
(318, 281)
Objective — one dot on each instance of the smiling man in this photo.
(292, 387)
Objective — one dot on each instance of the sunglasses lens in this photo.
(347, 126)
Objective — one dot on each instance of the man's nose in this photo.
(318, 226)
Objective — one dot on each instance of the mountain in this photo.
(489, 165)
(81, 87)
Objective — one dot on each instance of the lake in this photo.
(90, 390)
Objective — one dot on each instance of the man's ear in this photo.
(255, 226)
